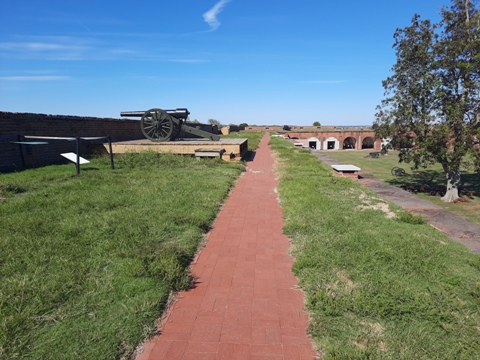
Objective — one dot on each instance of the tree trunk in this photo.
(453, 180)
(467, 2)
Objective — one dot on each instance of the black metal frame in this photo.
(77, 139)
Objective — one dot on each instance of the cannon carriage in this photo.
(165, 125)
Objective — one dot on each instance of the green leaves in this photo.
(434, 89)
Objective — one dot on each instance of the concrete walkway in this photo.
(452, 225)
(245, 304)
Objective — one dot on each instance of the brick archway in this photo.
(349, 143)
(368, 143)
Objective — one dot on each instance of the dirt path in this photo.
(454, 226)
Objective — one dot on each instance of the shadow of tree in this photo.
(434, 183)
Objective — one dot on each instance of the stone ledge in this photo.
(350, 171)
(209, 152)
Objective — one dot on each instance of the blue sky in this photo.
(259, 62)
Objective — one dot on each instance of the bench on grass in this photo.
(350, 171)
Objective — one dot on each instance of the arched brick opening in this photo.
(368, 143)
(349, 143)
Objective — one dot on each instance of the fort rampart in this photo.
(337, 139)
(14, 126)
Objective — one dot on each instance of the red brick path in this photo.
(245, 305)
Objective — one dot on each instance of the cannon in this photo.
(165, 125)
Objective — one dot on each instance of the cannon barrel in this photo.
(165, 125)
(177, 113)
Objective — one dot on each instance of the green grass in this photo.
(377, 286)
(87, 263)
(431, 178)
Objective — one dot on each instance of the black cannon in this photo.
(166, 125)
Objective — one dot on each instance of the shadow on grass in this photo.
(90, 169)
(434, 183)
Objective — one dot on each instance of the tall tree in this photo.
(214, 122)
(432, 105)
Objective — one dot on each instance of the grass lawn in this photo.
(253, 140)
(87, 263)
(433, 177)
(379, 282)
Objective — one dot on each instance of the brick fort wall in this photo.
(13, 125)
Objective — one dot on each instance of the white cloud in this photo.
(86, 49)
(50, 48)
(210, 16)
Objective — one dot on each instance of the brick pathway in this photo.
(245, 304)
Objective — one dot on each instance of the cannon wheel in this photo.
(397, 171)
(157, 125)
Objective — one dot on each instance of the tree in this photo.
(431, 110)
(243, 125)
(316, 123)
(214, 122)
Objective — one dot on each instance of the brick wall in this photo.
(298, 128)
(343, 139)
(64, 125)
(21, 124)
(14, 124)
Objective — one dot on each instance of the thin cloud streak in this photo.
(50, 48)
(188, 61)
(210, 16)
(36, 46)
(33, 78)
(86, 49)
(323, 81)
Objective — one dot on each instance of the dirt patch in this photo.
(376, 328)
(371, 336)
(362, 196)
(452, 225)
(342, 285)
(380, 206)
(343, 277)
(368, 205)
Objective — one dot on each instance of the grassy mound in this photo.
(380, 283)
(87, 263)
